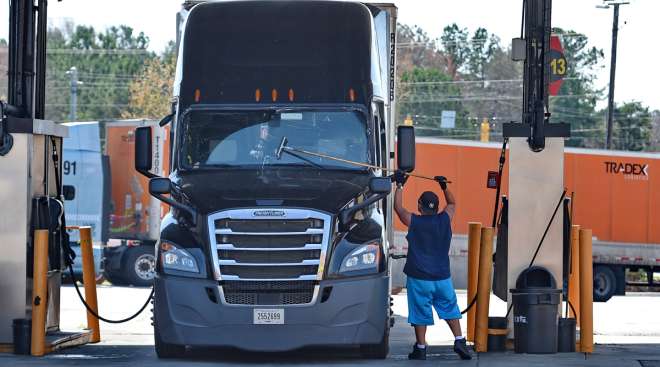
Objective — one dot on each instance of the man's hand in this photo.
(442, 181)
(400, 177)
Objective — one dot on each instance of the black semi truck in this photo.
(265, 249)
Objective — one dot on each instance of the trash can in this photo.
(535, 312)
(22, 333)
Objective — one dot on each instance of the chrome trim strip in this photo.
(308, 231)
(309, 246)
(236, 263)
(302, 277)
(289, 214)
(315, 296)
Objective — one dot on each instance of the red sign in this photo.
(493, 179)
(558, 65)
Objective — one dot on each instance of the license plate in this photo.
(269, 316)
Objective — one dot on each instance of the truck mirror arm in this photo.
(346, 215)
(166, 120)
(175, 204)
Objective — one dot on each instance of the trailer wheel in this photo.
(140, 266)
(380, 350)
(604, 283)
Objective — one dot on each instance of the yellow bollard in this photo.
(586, 293)
(574, 276)
(483, 290)
(474, 240)
(89, 280)
(39, 292)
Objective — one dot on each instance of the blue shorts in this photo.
(426, 295)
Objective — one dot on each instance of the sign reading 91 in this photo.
(558, 65)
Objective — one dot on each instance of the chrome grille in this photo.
(268, 247)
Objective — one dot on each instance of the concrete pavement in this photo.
(622, 321)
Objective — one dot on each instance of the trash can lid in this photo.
(535, 277)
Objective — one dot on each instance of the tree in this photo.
(4, 68)
(655, 146)
(576, 103)
(454, 44)
(106, 63)
(434, 92)
(632, 127)
(151, 95)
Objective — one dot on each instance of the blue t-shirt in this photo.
(429, 237)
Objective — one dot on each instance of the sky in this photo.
(637, 60)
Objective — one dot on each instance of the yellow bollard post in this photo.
(483, 289)
(586, 293)
(89, 280)
(574, 276)
(39, 292)
(474, 240)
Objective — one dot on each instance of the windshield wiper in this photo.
(306, 160)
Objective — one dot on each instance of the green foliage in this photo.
(578, 95)
(151, 94)
(106, 62)
(633, 127)
(433, 94)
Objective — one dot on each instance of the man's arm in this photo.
(450, 208)
(403, 214)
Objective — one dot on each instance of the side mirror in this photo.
(380, 185)
(159, 186)
(143, 151)
(405, 146)
(69, 192)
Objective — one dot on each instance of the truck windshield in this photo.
(251, 138)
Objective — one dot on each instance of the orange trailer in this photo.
(617, 194)
(134, 224)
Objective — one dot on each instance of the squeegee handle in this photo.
(355, 163)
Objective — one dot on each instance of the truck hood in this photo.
(326, 190)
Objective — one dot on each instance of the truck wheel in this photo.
(139, 268)
(165, 350)
(604, 283)
(377, 351)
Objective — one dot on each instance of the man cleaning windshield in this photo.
(429, 282)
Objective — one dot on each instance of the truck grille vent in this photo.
(262, 225)
(268, 293)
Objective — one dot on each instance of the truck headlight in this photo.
(363, 257)
(355, 260)
(174, 258)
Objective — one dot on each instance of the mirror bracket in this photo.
(175, 204)
(346, 215)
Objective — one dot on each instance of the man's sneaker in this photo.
(418, 353)
(460, 347)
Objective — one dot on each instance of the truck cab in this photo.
(267, 248)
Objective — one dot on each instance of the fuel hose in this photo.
(69, 254)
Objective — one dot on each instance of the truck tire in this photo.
(604, 283)
(165, 350)
(377, 351)
(139, 267)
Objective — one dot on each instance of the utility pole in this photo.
(73, 73)
(615, 33)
